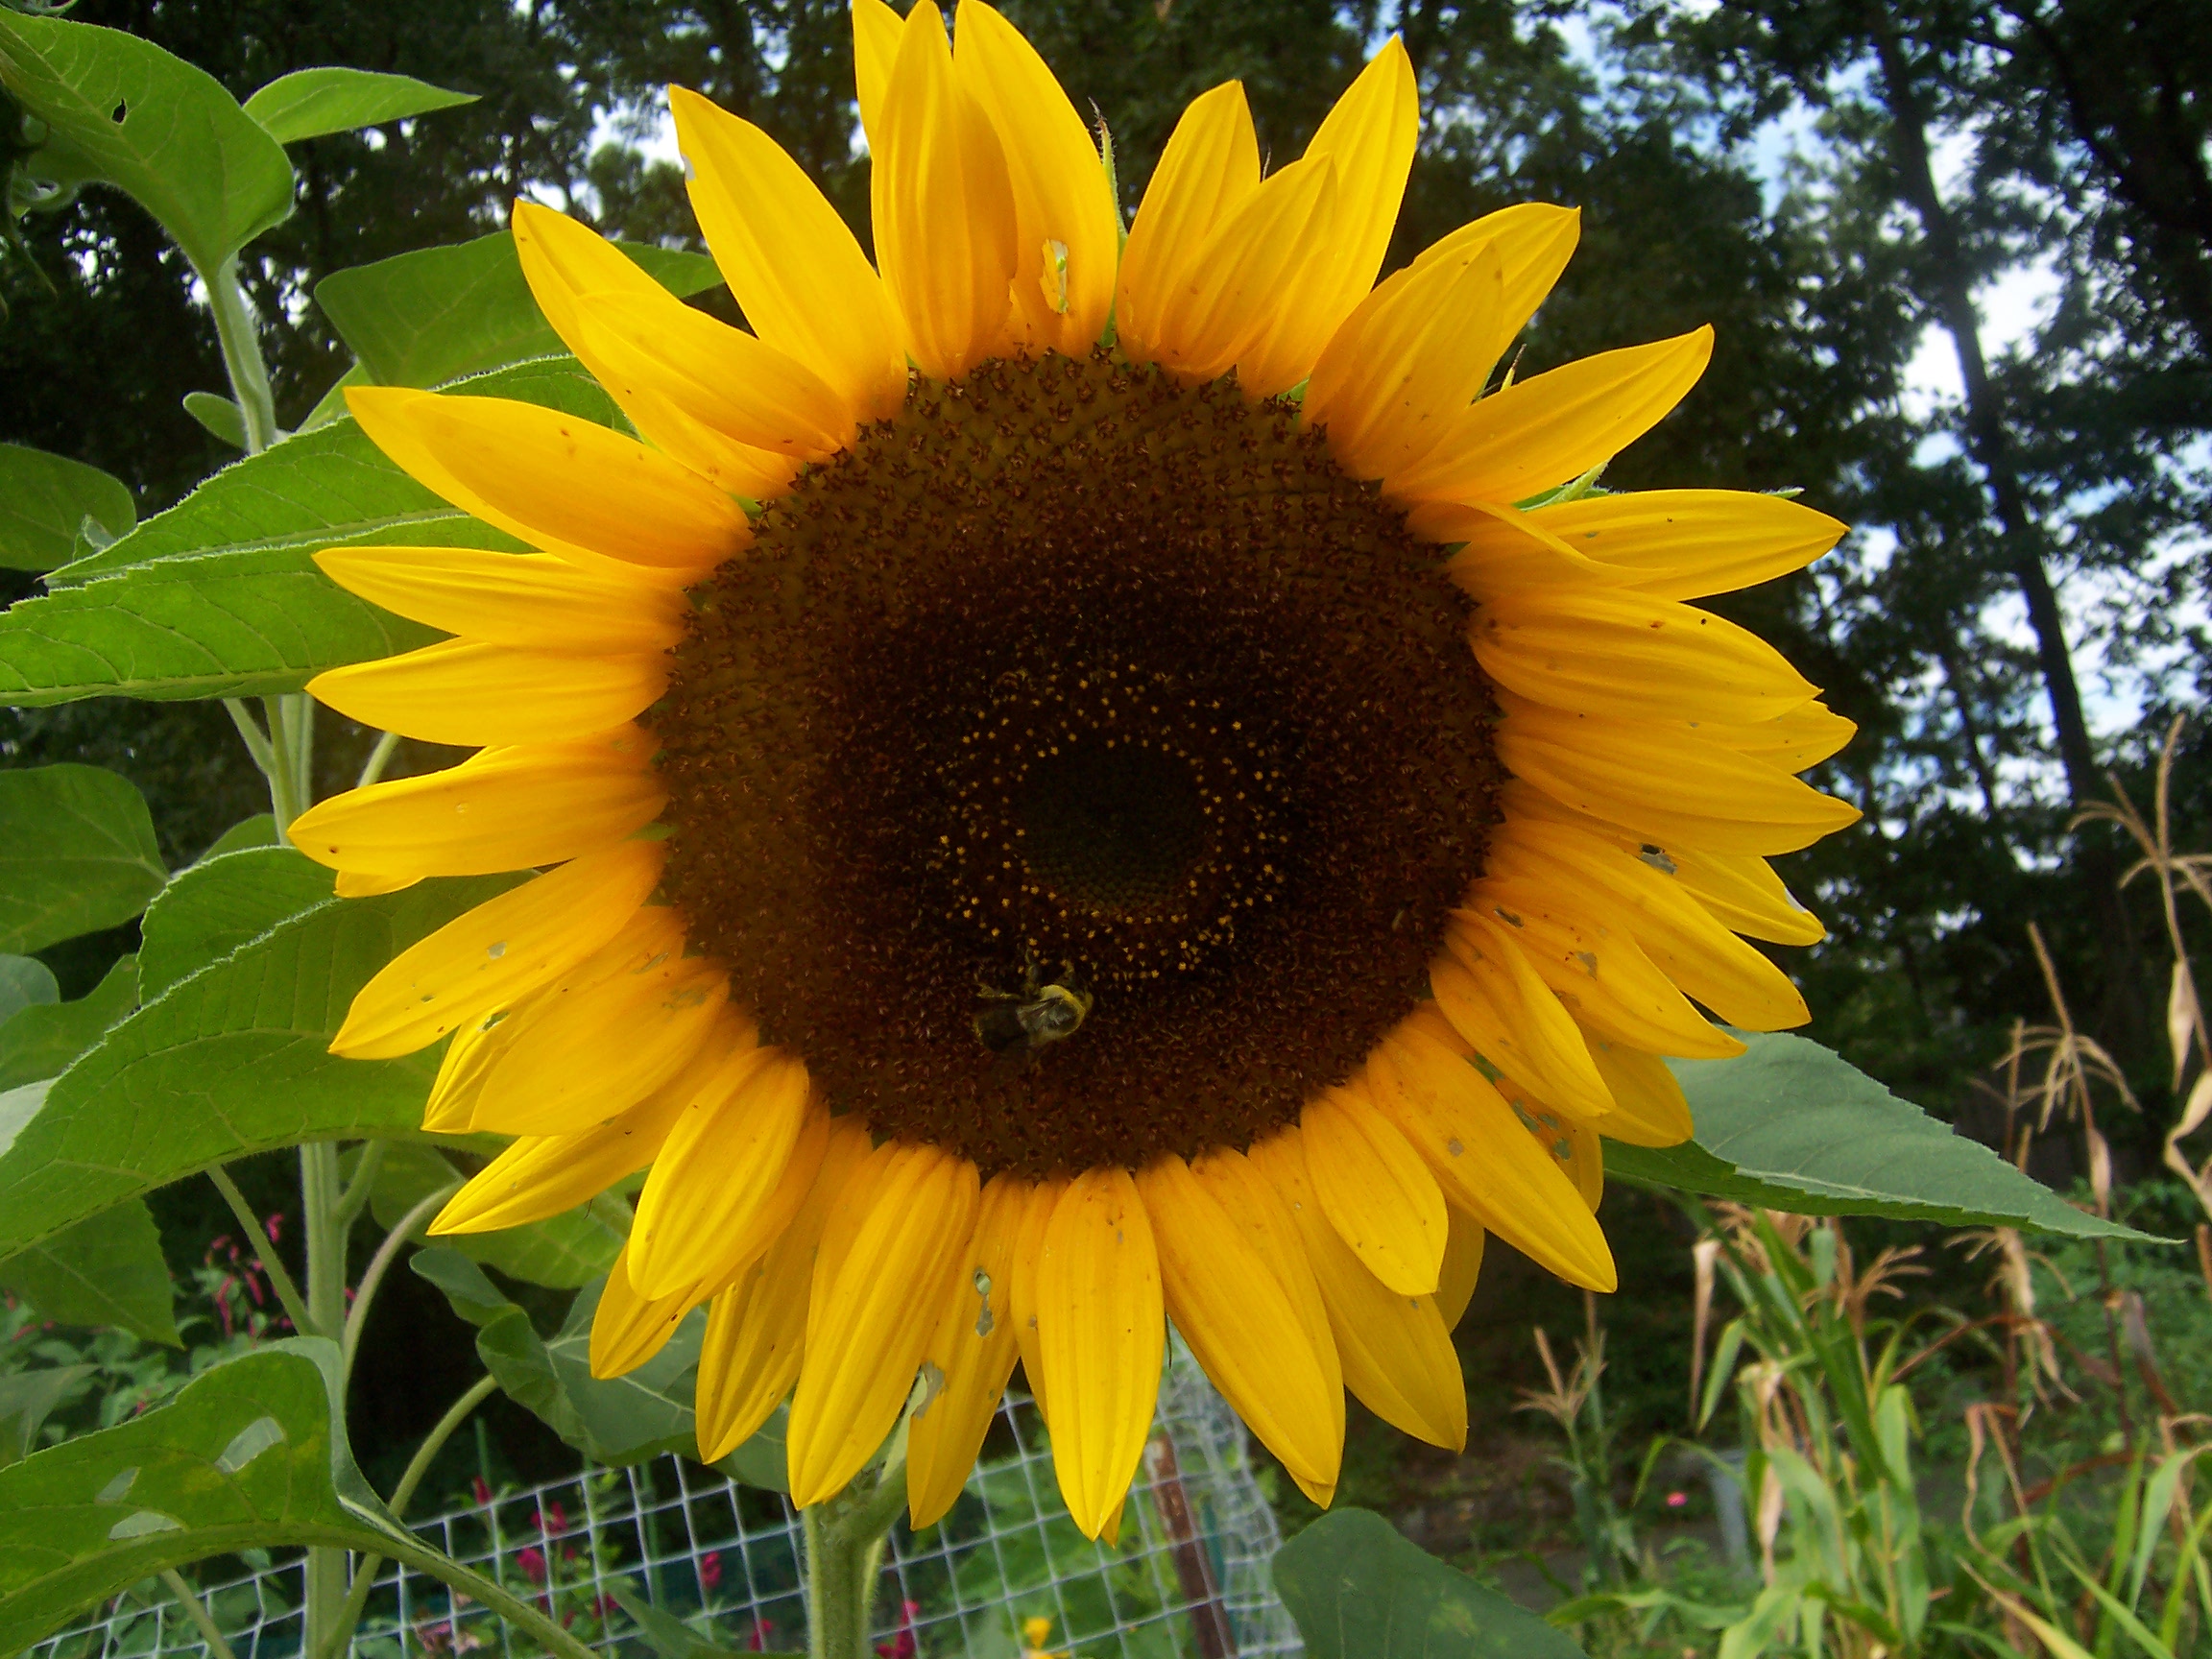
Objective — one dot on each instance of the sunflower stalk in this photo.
(845, 1539)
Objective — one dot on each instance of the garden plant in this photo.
(1099, 764)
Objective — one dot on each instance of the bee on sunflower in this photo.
(1069, 781)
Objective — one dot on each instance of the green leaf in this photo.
(44, 501)
(220, 903)
(106, 1270)
(1788, 1125)
(231, 1060)
(122, 111)
(325, 489)
(77, 853)
(612, 1420)
(258, 830)
(219, 414)
(219, 596)
(311, 103)
(424, 318)
(25, 982)
(251, 1453)
(669, 1635)
(222, 625)
(562, 1252)
(40, 1042)
(27, 1399)
(1360, 1591)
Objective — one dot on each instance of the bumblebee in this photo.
(1022, 1024)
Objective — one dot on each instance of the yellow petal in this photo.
(943, 207)
(1496, 999)
(876, 31)
(1233, 307)
(1686, 543)
(359, 884)
(1738, 888)
(1396, 1349)
(1484, 1158)
(1241, 1325)
(1028, 1250)
(1804, 736)
(756, 1329)
(504, 809)
(974, 1350)
(561, 483)
(797, 273)
(1462, 1266)
(1369, 136)
(1611, 651)
(1502, 549)
(1059, 184)
(1570, 1145)
(468, 693)
(1652, 1111)
(468, 1059)
(1597, 968)
(1101, 1331)
(628, 1329)
(881, 1313)
(721, 1166)
(1677, 933)
(530, 600)
(854, 1204)
(1541, 432)
(542, 1175)
(1407, 362)
(1254, 1205)
(1376, 1191)
(1210, 169)
(1663, 780)
(568, 270)
(600, 1039)
(1534, 241)
(499, 952)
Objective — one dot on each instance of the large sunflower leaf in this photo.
(225, 900)
(1790, 1125)
(106, 1270)
(77, 853)
(1360, 1591)
(253, 1452)
(230, 1060)
(44, 501)
(220, 595)
(42, 1040)
(25, 982)
(312, 102)
(120, 111)
(428, 317)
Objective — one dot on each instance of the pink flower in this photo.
(901, 1645)
(709, 1571)
(532, 1560)
(481, 1487)
(552, 1519)
(763, 1633)
(274, 1227)
(1677, 1499)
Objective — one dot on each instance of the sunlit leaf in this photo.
(1790, 1125)
(229, 1061)
(431, 316)
(122, 111)
(220, 416)
(77, 853)
(310, 103)
(562, 1252)
(46, 499)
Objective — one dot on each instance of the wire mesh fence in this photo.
(668, 1558)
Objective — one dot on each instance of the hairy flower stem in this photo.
(326, 1227)
(845, 1539)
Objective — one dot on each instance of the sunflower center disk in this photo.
(1068, 674)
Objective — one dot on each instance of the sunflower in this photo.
(1067, 781)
